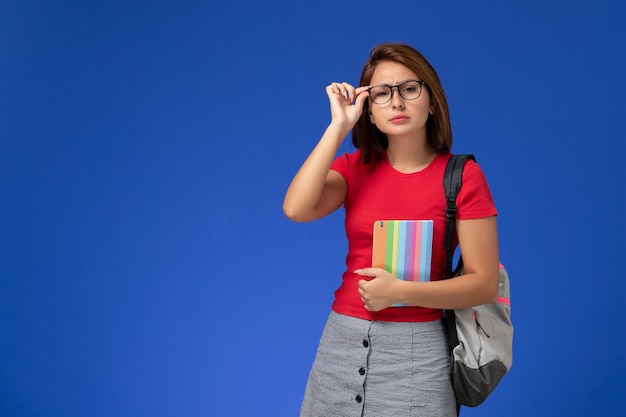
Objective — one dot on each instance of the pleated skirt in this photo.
(380, 369)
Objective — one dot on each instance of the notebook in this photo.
(403, 248)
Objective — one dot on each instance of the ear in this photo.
(372, 118)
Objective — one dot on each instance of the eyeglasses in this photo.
(408, 90)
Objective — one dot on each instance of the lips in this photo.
(399, 118)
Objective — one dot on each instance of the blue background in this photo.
(146, 268)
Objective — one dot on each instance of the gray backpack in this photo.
(481, 337)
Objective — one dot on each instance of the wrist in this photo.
(339, 129)
(402, 290)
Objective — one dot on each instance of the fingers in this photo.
(346, 103)
(368, 302)
(344, 90)
(347, 91)
(361, 96)
(369, 272)
(380, 291)
(361, 289)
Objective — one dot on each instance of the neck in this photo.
(409, 156)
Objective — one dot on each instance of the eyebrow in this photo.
(401, 82)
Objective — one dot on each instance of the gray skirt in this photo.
(380, 369)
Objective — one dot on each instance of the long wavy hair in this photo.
(368, 138)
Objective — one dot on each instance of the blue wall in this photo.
(146, 268)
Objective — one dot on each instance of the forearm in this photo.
(305, 191)
(460, 292)
(478, 240)
(479, 285)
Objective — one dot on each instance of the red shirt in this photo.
(378, 192)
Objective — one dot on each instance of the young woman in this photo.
(376, 359)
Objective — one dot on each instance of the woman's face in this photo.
(399, 116)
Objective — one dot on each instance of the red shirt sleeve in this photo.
(341, 164)
(474, 200)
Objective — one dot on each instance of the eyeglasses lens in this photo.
(409, 91)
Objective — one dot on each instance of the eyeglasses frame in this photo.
(397, 87)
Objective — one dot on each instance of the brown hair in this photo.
(368, 138)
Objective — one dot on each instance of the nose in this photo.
(396, 99)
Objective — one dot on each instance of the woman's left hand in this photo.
(379, 292)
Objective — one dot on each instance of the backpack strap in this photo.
(452, 180)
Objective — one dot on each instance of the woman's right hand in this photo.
(317, 190)
(346, 103)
